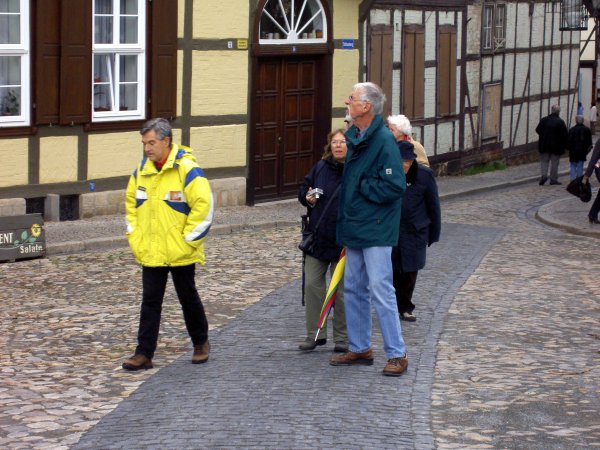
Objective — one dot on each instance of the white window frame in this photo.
(119, 50)
(23, 51)
(292, 32)
(493, 36)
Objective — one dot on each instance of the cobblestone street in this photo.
(505, 352)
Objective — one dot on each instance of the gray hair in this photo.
(555, 108)
(372, 94)
(401, 122)
(161, 127)
(579, 119)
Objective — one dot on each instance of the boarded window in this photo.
(490, 120)
(413, 73)
(381, 62)
(446, 76)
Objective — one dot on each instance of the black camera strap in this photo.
(327, 207)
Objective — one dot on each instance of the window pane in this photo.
(103, 7)
(129, 30)
(128, 69)
(10, 29)
(10, 86)
(104, 30)
(129, 6)
(128, 96)
(102, 98)
(10, 101)
(103, 82)
(10, 71)
(9, 6)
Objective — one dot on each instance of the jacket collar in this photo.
(149, 168)
(352, 133)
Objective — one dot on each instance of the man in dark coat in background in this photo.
(579, 144)
(552, 131)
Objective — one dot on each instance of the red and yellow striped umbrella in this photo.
(336, 279)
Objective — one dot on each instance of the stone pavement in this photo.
(504, 353)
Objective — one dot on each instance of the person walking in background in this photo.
(398, 126)
(552, 131)
(579, 109)
(420, 226)
(322, 209)
(373, 184)
(594, 167)
(169, 210)
(579, 144)
(593, 118)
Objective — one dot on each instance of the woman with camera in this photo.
(320, 193)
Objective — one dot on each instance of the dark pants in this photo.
(154, 282)
(404, 283)
(593, 214)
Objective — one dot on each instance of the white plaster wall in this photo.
(458, 35)
(430, 38)
(505, 128)
(536, 73)
(523, 25)
(534, 118)
(397, 35)
(508, 79)
(520, 80)
(486, 70)
(445, 138)
(446, 17)
(557, 68)
(428, 139)
(537, 26)
(430, 91)
(473, 77)
(511, 24)
(380, 17)
(521, 124)
(474, 29)
(413, 17)
(497, 74)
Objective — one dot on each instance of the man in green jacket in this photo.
(373, 185)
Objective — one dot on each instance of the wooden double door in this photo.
(290, 120)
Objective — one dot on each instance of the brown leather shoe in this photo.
(396, 366)
(137, 362)
(201, 353)
(352, 358)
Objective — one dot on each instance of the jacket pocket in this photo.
(136, 243)
(177, 249)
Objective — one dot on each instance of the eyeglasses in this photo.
(336, 142)
(351, 99)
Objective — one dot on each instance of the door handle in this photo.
(279, 139)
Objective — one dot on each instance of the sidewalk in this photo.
(103, 232)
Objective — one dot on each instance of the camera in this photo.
(317, 192)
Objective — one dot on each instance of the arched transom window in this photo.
(293, 21)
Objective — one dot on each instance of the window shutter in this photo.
(47, 62)
(76, 61)
(446, 95)
(163, 59)
(413, 73)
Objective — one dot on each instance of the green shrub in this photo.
(487, 167)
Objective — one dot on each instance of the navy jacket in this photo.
(421, 220)
(372, 188)
(326, 175)
(579, 142)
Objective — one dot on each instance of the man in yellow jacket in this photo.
(169, 208)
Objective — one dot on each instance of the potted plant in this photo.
(10, 104)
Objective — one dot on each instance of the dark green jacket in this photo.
(373, 184)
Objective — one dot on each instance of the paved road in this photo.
(504, 354)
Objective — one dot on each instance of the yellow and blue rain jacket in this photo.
(169, 212)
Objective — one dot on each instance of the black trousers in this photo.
(404, 284)
(154, 282)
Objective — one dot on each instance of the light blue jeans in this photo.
(576, 169)
(368, 278)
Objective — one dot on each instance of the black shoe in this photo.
(596, 221)
(543, 180)
(340, 348)
(408, 317)
(555, 182)
(310, 344)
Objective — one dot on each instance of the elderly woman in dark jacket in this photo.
(420, 224)
(326, 175)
